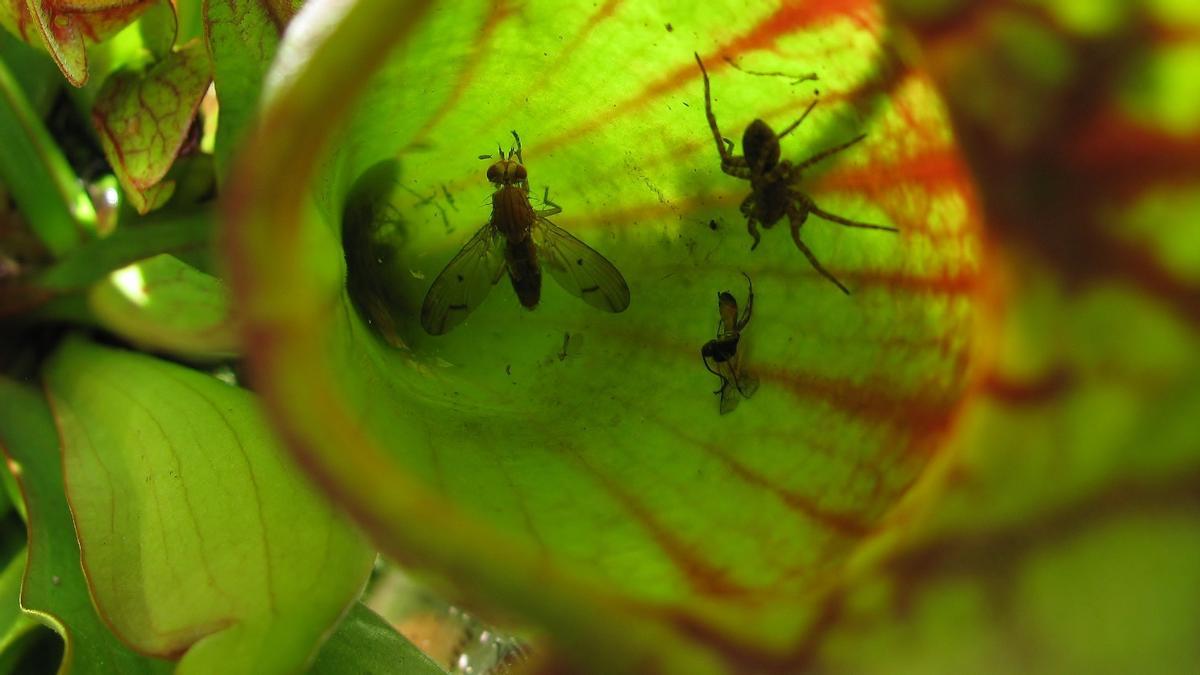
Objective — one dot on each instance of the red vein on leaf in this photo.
(845, 524)
(559, 59)
(499, 10)
(784, 20)
(696, 570)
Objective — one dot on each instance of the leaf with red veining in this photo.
(242, 36)
(66, 28)
(143, 119)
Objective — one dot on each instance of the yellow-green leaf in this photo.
(198, 538)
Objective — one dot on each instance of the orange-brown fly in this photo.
(520, 240)
(773, 192)
(721, 356)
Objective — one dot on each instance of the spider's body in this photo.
(773, 192)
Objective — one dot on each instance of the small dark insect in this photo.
(519, 239)
(723, 351)
(773, 194)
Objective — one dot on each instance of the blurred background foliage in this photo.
(217, 221)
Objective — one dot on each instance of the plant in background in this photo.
(218, 401)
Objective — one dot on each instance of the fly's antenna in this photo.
(517, 149)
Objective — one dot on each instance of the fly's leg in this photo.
(704, 357)
(809, 206)
(796, 217)
(554, 209)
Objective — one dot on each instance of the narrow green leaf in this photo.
(198, 538)
(36, 173)
(143, 118)
(54, 590)
(171, 233)
(365, 643)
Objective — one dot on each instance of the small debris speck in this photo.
(670, 28)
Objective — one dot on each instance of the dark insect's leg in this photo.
(795, 124)
(826, 153)
(796, 217)
(846, 222)
(554, 209)
(752, 228)
(749, 304)
(704, 357)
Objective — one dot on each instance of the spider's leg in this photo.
(826, 153)
(796, 217)
(736, 167)
(845, 222)
(726, 154)
(795, 124)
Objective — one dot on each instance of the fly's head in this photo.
(760, 146)
(506, 171)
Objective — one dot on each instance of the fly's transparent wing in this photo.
(579, 269)
(465, 282)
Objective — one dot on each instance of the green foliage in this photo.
(982, 460)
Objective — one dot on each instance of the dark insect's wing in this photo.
(579, 269)
(464, 283)
(729, 398)
(746, 383)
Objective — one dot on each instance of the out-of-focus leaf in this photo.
(15, 626)
(54, 590)
(243, 36)
(1060, 532)
(164, 304)
(600, 492)
(143, 118)
(174, 233)
(36, 173)
(365, 643)
(198, 538)
(66, 27)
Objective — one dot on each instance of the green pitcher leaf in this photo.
(571, 464)
(199, 540)
(143, 118)
(54, 590)
(66, 29)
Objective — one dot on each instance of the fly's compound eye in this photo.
(518, 172)
(493, 173)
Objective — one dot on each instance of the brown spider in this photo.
(773, 194)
